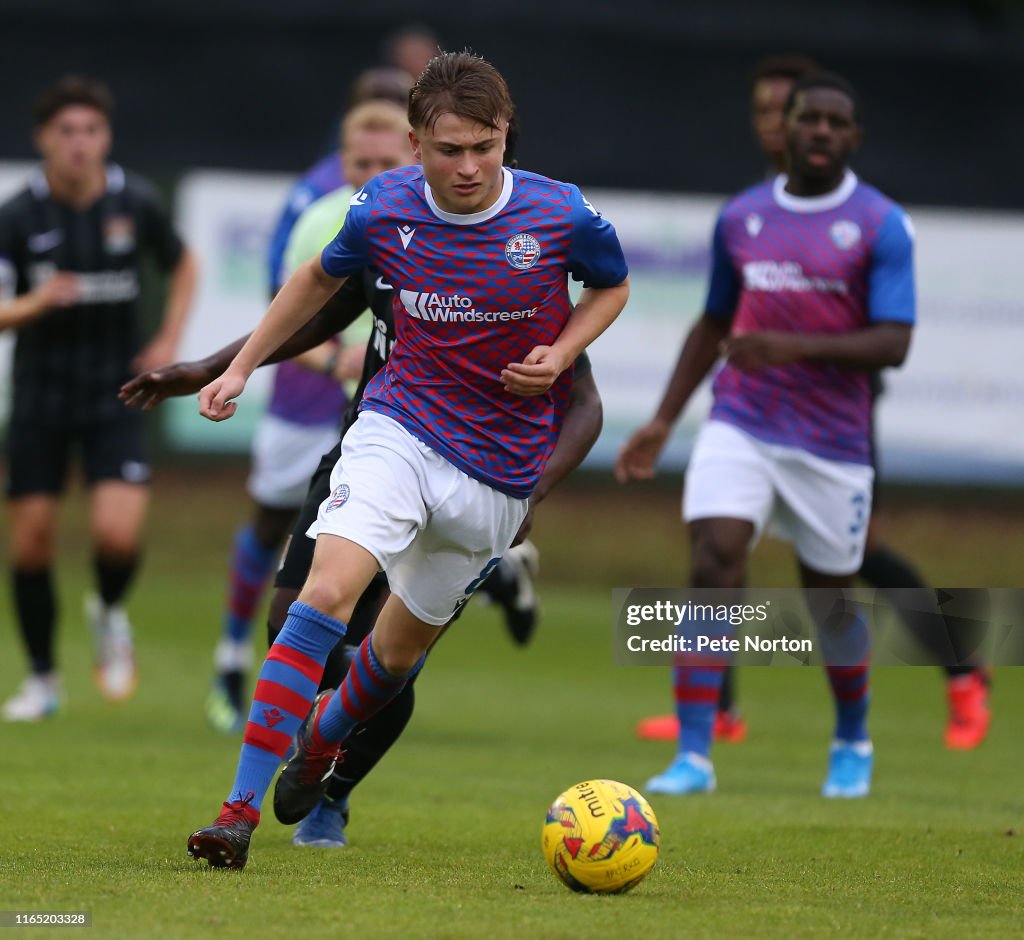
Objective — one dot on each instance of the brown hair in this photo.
(462, 84)
(378, 115)
(72, 90)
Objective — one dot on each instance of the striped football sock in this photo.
(697, 681)
(251, 565)
(286, 687)
(366, 689)
(847, 654)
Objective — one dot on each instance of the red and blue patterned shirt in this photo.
(474, 293)
(828, 264)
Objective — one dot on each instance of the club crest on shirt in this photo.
(844, 234)
(522, 251)
(118, 234)
(339, 497)
(754, 224)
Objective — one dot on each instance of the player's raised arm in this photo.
(149, 389)
(305, 292)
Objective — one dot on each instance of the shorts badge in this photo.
(338, 497)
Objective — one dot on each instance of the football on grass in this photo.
(601, 837)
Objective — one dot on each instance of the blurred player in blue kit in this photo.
(884, 568)
(303, 414)
(452, 436)
(811, 292)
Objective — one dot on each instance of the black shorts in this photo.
(39, 455)
(298, 558)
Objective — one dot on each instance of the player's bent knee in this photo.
(335, 599)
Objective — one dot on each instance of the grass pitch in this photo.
(445, 835)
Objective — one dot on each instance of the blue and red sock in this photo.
(697, 682)
(251, 566)
(847, 655)
(286, 687)
(366, 689)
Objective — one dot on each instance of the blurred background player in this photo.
(410, 49)
(967, 685)
(811, 291)
(772, 80)
(307, 399)
(71, 250)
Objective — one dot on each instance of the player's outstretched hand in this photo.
(640, 453)
(535, 374)
(216, 400)
(148, 389)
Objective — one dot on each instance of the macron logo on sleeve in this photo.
(359, 198)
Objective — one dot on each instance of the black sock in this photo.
(883, 568)
(113, 575)
(36, 605)
(370, 742)
(950, 642)
(727, 693)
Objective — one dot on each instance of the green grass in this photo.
(445, 835)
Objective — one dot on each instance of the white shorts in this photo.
(284, 456)
(821, 506)
(435, 531)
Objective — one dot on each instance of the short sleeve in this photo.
(724, 286)
(595, 255)
(349, 250)
(891, 295)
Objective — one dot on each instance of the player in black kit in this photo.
(71, 249)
